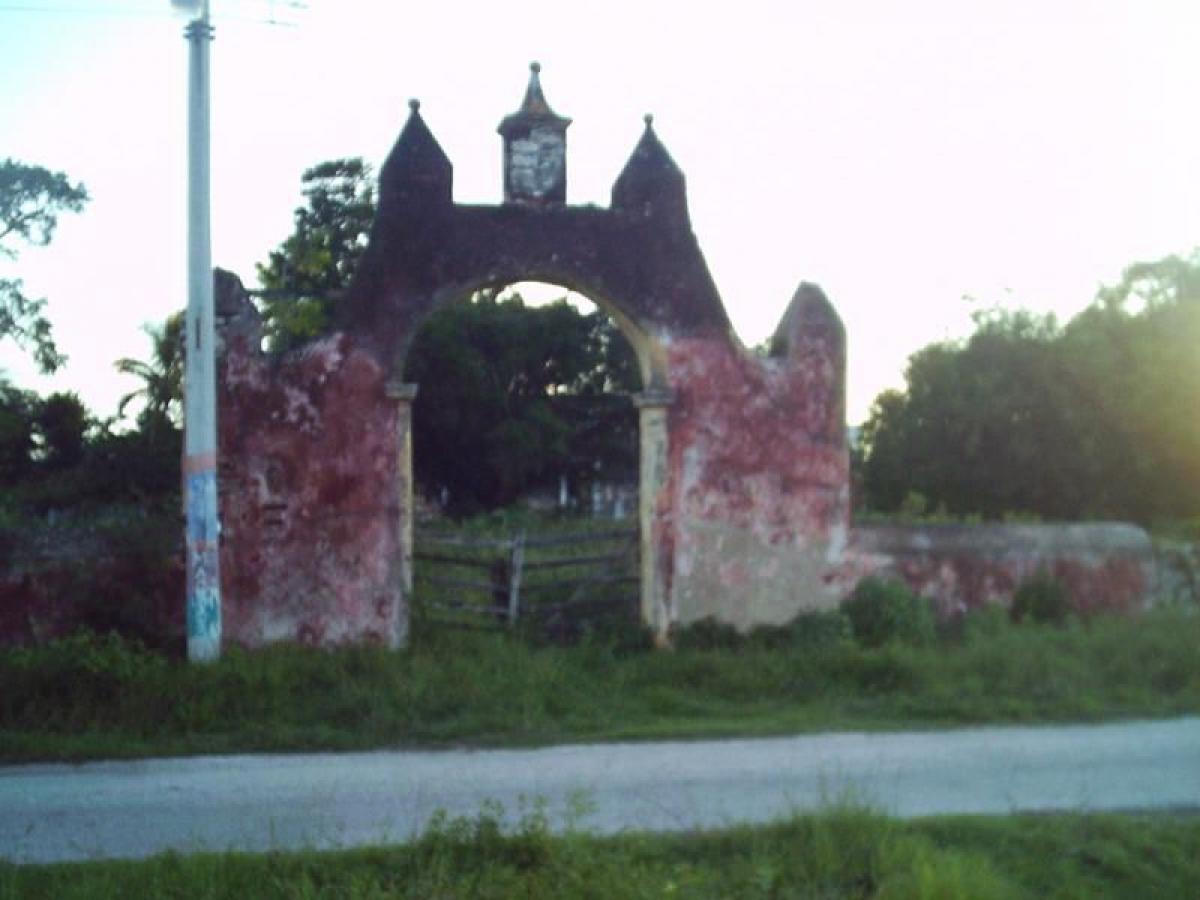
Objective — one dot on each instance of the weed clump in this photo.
(886, 611)
(706, 634)
(808, 631)
(81, 672)
(1041, 599)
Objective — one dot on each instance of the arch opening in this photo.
(522, 420)
(523, 399)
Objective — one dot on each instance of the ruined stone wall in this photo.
(1104, 566)
(136, 595)
(310, 490)
(757, 499)
(746, 518)
(744, 489)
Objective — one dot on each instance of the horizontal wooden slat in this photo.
(474, 626)
(465, 608)
(562, 562)
(462, 540)
(580, 537)
(465, 584)
(536, 540)
(546, 609)
(422, 556)
(568, 584)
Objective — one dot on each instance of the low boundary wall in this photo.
(1104, 566)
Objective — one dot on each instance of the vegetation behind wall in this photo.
(1095, 419)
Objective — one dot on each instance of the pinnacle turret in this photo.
(650, 181)
(535, 149)
(417, 169)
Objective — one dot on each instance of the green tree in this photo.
(603, 441)
(1135, 355)
(304, 276)
(510, 399)
(31, 200)
(161, 391)
(882, 453)
(1094, 419)
(62, 422)
(978, 428)
(18, 412)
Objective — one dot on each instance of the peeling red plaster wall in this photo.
(310, 503)
(754, 523)
(1105, 567)
(757, 482)
(751, 441)
(52, 599)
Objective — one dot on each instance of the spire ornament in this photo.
(535, 149)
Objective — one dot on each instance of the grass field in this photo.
(844, 853)
(99, 697)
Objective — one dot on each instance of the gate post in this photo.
(656, 559)
(403, 394)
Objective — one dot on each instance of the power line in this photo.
(268, 16)
(84, 11)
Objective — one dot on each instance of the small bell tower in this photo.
(535, 150)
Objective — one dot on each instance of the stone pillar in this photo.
(403, 394)
(656, 562)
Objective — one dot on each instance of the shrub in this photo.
(884, 611)
(809, 630)
(986, 623)
(1042, 598)
(623, 635)
(84, 673)
(706, 634)
(813, 629)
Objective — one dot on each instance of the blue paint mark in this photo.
(203, 615)
(201, 498)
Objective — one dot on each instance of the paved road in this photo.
(134, 809)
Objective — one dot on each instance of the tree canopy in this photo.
(161, 391)
(1097, 418)
(513, 397)
(304, 275)
(56, 455)
(31, 200)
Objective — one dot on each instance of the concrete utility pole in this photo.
(200, 394)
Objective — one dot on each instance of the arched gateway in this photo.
(744, 476)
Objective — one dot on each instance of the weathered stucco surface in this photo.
(1104, 566)
(310, 490)
(758, 478)
(85, 587)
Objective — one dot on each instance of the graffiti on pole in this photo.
(203, 574)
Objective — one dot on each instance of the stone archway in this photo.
(645, 404)
(744, 471)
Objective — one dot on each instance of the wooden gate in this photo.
(556, 581)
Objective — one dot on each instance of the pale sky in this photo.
(902, 155)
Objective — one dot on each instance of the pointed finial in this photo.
(648, 118)
(533, 107)
(414, 104)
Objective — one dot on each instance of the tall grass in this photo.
(843, 853)
(92, 696)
